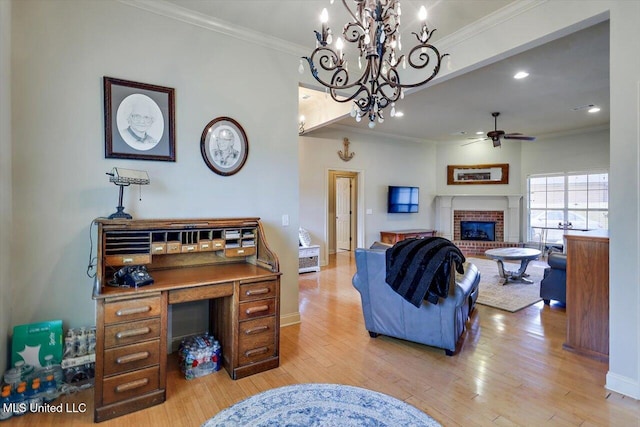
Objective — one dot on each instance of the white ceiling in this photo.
(566, 73)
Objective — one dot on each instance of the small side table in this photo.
(308, 258)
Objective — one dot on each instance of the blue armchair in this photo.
(387, 313)
(554, 283)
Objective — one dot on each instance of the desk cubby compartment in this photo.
(127, 247)
(189, 241)
(158, 242)
(174, 242)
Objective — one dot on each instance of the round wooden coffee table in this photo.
(524, 255)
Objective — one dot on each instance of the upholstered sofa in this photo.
(554, 283)
(387, 313)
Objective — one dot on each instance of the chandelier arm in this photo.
(325, 52)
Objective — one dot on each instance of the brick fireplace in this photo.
(503, 210)
(494, 216)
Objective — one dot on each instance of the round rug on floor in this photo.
(321, 405)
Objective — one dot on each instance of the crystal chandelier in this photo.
(375, 31)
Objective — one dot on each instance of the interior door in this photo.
(343, 214)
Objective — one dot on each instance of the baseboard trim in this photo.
(623, 385)
(290, 319)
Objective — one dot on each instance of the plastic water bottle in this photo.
(20, 404)
(6, 411)
(33, 396)
(50, 368)
(49, 389)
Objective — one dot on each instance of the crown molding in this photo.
(487, 22)
(179, 13)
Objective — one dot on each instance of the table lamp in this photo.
(123, 178)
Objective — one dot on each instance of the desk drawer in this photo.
(256, 354)
(253, 309)
(133, 309)
(257, 333)
(243, 251)
(259, 290)
(129, 333)
(129, 385)
(130, 357)
(133, 259)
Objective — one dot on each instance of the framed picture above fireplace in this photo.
(497, 173)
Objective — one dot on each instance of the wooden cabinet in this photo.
(226, 261)
(588, 294)
(393, 237)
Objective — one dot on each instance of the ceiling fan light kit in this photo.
(374, 31)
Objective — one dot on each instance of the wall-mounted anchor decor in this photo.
(346, 155)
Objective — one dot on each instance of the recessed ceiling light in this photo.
(521, 75)
(399, 114)
(594, 109)
(480, 132)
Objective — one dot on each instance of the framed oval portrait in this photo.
(224, 146)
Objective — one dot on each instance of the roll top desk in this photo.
(226, 261)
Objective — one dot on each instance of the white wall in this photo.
(565, 153)
(62, 49)
(624, 201)
(5, 178)
(381, 161)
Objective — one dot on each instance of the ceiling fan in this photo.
(497, 135)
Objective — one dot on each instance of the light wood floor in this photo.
(511, 369)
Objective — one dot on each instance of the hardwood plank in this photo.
(511, 370)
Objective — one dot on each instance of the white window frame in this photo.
(533, 235)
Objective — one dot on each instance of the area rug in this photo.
(512, 296)
(321, 405)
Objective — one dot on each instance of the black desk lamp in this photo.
(123, 178)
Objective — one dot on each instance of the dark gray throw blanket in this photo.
(419, 269)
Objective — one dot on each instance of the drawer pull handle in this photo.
(218, 245)
(240, 251)
(191, 248)
(256, 330)
(132, 357)
(159, 249)
(256, 309)
(132, 333)
(260, 291)
(127, 260)
(204, 246)
(132, 385)
(256, 351)
(130, 311)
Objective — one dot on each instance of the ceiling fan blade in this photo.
(473, 141)
(519, 136)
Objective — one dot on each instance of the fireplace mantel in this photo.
(510, 204)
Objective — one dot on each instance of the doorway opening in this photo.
(342, 211)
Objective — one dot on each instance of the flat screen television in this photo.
(402, 199)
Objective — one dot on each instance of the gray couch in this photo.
(387, 313)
